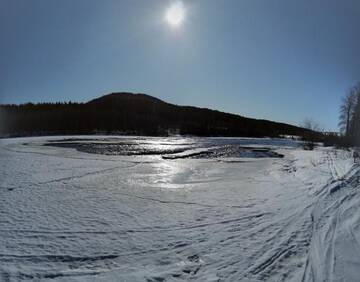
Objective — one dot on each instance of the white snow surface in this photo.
(67, 215)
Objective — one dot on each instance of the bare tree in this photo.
(347, 110)
(311, 124)
(311, 134)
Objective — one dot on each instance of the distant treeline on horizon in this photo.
(127, 113)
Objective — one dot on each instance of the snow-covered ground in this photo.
(238, 213)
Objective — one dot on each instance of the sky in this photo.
(283, 60)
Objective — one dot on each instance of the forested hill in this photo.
(127, 113)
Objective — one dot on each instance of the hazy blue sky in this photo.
(277, 59)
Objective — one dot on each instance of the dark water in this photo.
(174, 148)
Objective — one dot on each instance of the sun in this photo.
(175, 14)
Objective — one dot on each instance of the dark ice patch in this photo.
(192, 149)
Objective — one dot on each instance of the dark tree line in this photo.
(126, 113)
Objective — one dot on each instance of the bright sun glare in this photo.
(175, 14)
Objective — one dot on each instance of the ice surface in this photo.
(70, 214)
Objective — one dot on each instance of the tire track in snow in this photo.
(290, 240)
(181, 202)
(87, 174)
(140, 230)
(294, 232)
(56, 257)
(323, 261)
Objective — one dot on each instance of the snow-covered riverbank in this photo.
(234, 214)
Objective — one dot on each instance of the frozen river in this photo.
(171, 209)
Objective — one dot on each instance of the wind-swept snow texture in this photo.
(177, 209)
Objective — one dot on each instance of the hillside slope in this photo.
(132, 114)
